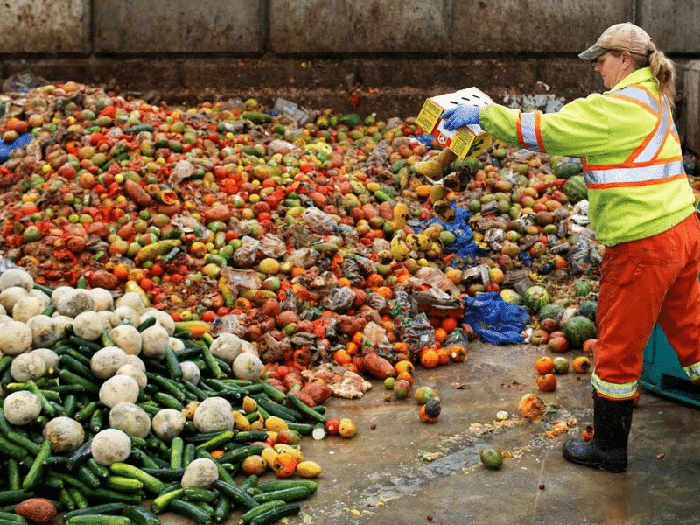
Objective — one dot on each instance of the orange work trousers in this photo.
(643, 282)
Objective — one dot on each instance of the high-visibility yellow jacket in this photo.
(633, 162)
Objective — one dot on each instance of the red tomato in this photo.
(208, 316)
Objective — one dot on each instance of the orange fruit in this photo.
(405, 376)
(449, 324)
(430, 358)
(404, 365)
(443, 356)
(544, 365)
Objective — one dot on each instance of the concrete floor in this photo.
(398, 470)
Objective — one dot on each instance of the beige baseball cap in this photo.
(621, 37)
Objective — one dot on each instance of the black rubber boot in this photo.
(607, 450)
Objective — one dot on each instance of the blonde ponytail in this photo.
(665, 72)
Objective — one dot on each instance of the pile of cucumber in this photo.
(94, 494)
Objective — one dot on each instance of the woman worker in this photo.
(642, 208)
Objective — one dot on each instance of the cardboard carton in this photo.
(468, 141)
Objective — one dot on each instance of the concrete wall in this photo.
(390, 54)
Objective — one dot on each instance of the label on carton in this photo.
(468, 141)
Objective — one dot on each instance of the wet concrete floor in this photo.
(398, 470)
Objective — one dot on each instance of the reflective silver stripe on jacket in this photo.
(613, 390)
(528, 130)
(634, 174)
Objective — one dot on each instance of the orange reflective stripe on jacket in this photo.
(642, 167)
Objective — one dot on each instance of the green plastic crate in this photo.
(663, 374)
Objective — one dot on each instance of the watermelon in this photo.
(566, 170)
(588, 309)
(582, 288)
(535, 298)
(575, 189)
(578, 329)
(550, 311)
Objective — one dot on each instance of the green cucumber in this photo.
(177, 448)
(80, 456)
(140, 515)
(13, 474)
(10, 497)
(288, 494)
(239, 454)
(191, 510)
(33, 475)
(75, 379)
(105, 508)
(150, 483)
(98, 519)
(199, 494)
(222, 509)
(280, 484)
(173, 364)
(13, 450)
(101, 471)
(88, 477)
(164, 500)
(218, 441)
(260, 509)
(12, 517)
(80, 500)
(122, 484)
(305, 410)
(276, 514)
(234, 492)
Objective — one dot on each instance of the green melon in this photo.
(582, 288)
(588, 309)
(535, 298)
(566, 170)
(575, 189)
(578, 329)
(550, 311)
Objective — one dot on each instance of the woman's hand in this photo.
(459, 116)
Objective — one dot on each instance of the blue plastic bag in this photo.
(495, 320)
(19, 142)
(464, 246)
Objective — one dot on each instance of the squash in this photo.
(27, 367)
(248, 367)
(168, 423)
(155, 341)
(110, 446)
(201, 472)
(88, 325)
(130, 418)
(27, 307)
(15, 338)
(128, 338)
(213, 414)
(18, 277)
(118, 389)
(65, 434)
(105, 362)
(45, 331)
(75, 301)
(21, 407)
